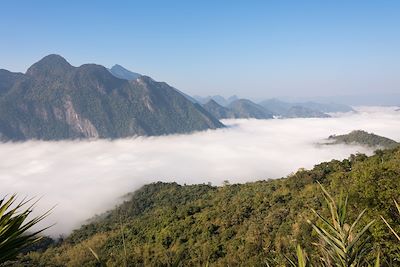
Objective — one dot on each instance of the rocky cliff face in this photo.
(77, 123)
(55, 100)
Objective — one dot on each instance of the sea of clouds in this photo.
(84, 178)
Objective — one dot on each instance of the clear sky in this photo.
(254, 49)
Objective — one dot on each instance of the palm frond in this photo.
(342, 244)
(15, 226)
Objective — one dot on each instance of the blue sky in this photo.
(255, 49)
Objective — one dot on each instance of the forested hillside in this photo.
(166, 224)
(364, 138)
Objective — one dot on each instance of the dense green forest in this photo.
(252, 224)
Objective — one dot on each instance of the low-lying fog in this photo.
(88, 177)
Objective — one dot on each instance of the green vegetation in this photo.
(14, 227)
(252, 224)
(302, 259)
(364, 138)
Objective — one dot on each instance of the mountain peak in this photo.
(51, 64)
(117, 67)
(212, 102)
(123, 73)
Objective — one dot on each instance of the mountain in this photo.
(219, 111)
(277, 107)
(238, 109)
(220, 100)
(251, 224)
(296, 110)
(122, 73)
(55, 101)
(283, 109)
(377, 99)
(244, 108)
(217, 98)
(326, 107)
(232, 98)
(364, 138)
(7, 79)
(304, 112)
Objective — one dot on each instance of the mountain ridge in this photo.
(294, 110)
(244, 108)
(55, 100)
(218, 111)
(238, 109)
(123, 73)
(217, 105)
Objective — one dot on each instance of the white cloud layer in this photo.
(88, 177)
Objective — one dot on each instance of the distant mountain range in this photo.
(293, 110)
(326, 107)
(54, 100)
(233, 107)
(244, 108)
(218, 111)
(363, 138)
(366, 99)
(217, 98)
(241, 108)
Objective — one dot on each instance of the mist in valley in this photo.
(84, 178)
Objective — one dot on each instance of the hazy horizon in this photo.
(262, 49)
